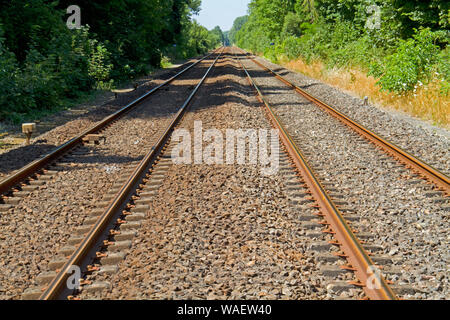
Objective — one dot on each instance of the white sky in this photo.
(221, 13)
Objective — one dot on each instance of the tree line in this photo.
(43, 63)
(401, 42)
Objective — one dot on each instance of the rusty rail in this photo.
(359, 260)
(418, 166)
(58, 284)
(27, 171)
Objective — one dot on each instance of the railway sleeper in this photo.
(333, 271)
(20, 194)
(119, 245)
(148, 194)
(155, 183)
(97, 212)
(113, 258)
(90, 221)
(314, 234)
(125, 235)
(36, 182)
(96, 286)
(81, 230)
(327, 257)
(144, 201)
(338, 287)
(74, 240)
(33, 293)
(46, 177)
(45, 278)
(132, 225)
(57, 262)
(301, 201)
(138, 216)
(311, 225)
(12, 200)
(321, 246)
(307, 217)
(30, 188)
(405, 289)
(109, 196)
(67, 250)
(352, 217)
(5, 207)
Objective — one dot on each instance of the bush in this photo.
(74, 64)
(9, 74)
(292, 23)
(413, 61)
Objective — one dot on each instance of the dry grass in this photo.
(426, 103)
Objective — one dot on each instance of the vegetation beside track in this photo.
(401, 60)
(45, 66)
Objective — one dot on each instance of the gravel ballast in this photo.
(33, 230)
(410, 226)
(423, 140)
(220, 231)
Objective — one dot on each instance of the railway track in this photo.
(19, 178)
(74, 178)
(418, 166)
(102, 228)
(116, 213)
(106, 246)
(351, 248)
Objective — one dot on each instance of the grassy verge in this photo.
(427, 102)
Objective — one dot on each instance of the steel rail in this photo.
(359, 260)
(427, 171)
(14, 179)
(58, 283)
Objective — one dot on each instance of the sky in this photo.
(221, 13)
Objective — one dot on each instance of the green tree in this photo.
(238, 23)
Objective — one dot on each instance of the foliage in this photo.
(336, 32)
(291, 26)
(43, 63)
(413, 61)
(237, 25)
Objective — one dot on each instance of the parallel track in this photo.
(358, 258)
(34, 167)
(90, 243)
(418, 166)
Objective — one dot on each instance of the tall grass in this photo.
(425, 102)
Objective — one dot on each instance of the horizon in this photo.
(221, 13)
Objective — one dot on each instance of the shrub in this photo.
(8, 78)
(412, 62)
(292, 23)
